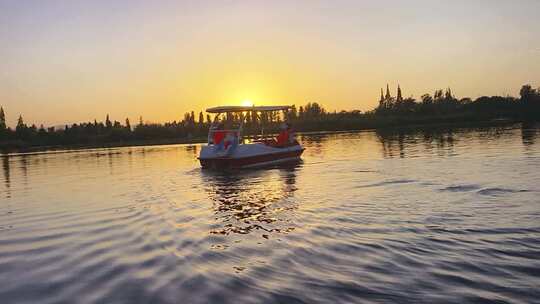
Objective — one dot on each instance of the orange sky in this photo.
(72, 61)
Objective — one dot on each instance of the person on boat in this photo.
(230, 139)
(284, 135)
(230, 142)
(219, 136)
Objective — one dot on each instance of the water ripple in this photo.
(368, 217)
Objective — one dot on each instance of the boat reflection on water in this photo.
(257, 202)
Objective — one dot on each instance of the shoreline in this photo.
(81, 147)
(198, 140)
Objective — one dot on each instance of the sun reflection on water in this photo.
(259, 201)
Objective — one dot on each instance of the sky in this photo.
(71, 61)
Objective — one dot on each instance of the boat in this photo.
(229, 148)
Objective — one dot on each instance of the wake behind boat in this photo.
(228, 147)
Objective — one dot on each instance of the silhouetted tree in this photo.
(313, 110)
(108, 122)
(254, 119)
(20, 123)
(438, 96)
(530, 101)
(427, 99)
(526, 93)
(21, 130)
(201, 118)
(3, 124)
(42, 132)
(399, 98)
(292, 113)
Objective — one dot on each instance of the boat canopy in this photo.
(229, 109)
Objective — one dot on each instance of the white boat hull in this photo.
(248, 156)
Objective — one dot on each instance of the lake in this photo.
(427, 216)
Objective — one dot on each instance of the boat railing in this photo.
(258, 137)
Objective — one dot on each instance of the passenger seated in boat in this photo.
(225, 138)
(219, 134)
(285, 137)
(231, 139)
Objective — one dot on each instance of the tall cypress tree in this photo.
(20, 130)
(201, 118)
(20, 122)
(399, 98)
(3, 124)
(108, 122)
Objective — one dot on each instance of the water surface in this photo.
(432, 216)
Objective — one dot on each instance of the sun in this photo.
(247, 103)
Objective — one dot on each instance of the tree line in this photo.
(442, 106)
(443, 102)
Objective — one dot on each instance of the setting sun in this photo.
(247, 103)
